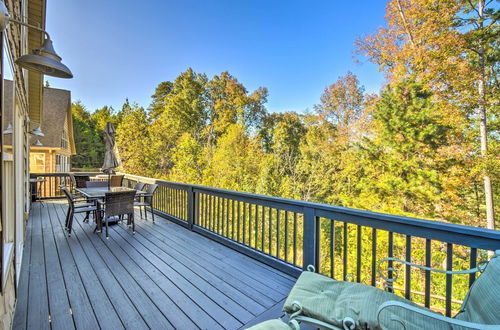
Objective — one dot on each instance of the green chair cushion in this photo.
(275, 324)
(482, 304)
(331, 301)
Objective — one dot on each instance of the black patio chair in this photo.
(116, 205)
(96, 184)
(139, 186)
(116, 180)
(146, 200)
(75, 207)
(80, 180)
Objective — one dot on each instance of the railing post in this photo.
(310, 243)
(192, 207)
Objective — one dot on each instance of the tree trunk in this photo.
(488, 191)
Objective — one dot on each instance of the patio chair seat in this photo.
(85, 209)
(482, 304)
(334, 302)
(275, 324)
(79, 205)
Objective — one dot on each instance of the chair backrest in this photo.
(150, 192)
(116, 180)
(72, 180)
(119, 203)
(68, 195)
(96, 184)
(482, 304)
(81, 180)
(139, 186)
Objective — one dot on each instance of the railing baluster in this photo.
(227, 217)
(390, 254)
(263, 221)
(250, 225)
(239, 221)
(332, 248)
(256, 225)
(270, 231)
(408, 268)
(244, 223)
(232, 218)
(449, 266)
(278, 233)
(358, 254)
(295, 238)
(346, 233)
(209, 214)
(223, 217)
(286, 236)
(473, 264)
(219, 214)
(428, 258)
(374, 257)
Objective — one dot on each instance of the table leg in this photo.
(98, 217)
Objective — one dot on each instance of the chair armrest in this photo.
(390, 280)
(398, 315)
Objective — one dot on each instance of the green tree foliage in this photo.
(235, 161)
(132, 139)
(402, 166)
(89, 144)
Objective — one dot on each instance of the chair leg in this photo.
(67, 219)
(70, 222)
(107, 229)
(87, 216)
(140, 211)
(133, 222)
(152, 212)
(146, 212)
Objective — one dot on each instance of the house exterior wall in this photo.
(14, 164)
(50, 162)
(8, 300)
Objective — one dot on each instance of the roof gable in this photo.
(56, 112)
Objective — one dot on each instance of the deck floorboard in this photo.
(164, 276)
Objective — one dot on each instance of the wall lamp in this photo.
(44, 59)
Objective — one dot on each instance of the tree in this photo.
(132, 140)
(184, 112)
(235, 163)
(453, 46)
(228, 103)
(102, 116)
(158, 102)
(342, 104)
(403, 170)
(89, 145)
(189, 159)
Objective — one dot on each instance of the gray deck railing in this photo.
(339, 242)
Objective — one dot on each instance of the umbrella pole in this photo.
(109, 179)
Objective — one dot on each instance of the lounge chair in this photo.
(329, 304)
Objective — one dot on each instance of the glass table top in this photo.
(101, 191)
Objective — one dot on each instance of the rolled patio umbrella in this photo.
(110, 159)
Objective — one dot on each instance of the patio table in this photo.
(99, 193)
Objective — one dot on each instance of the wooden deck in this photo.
(164, 276)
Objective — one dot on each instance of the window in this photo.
(64, 140)
(58, 163)
(37, 162)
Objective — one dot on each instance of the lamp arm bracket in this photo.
(30, 26)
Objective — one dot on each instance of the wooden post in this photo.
(192, 207)
(310, 243)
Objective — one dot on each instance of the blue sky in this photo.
(118, 49)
